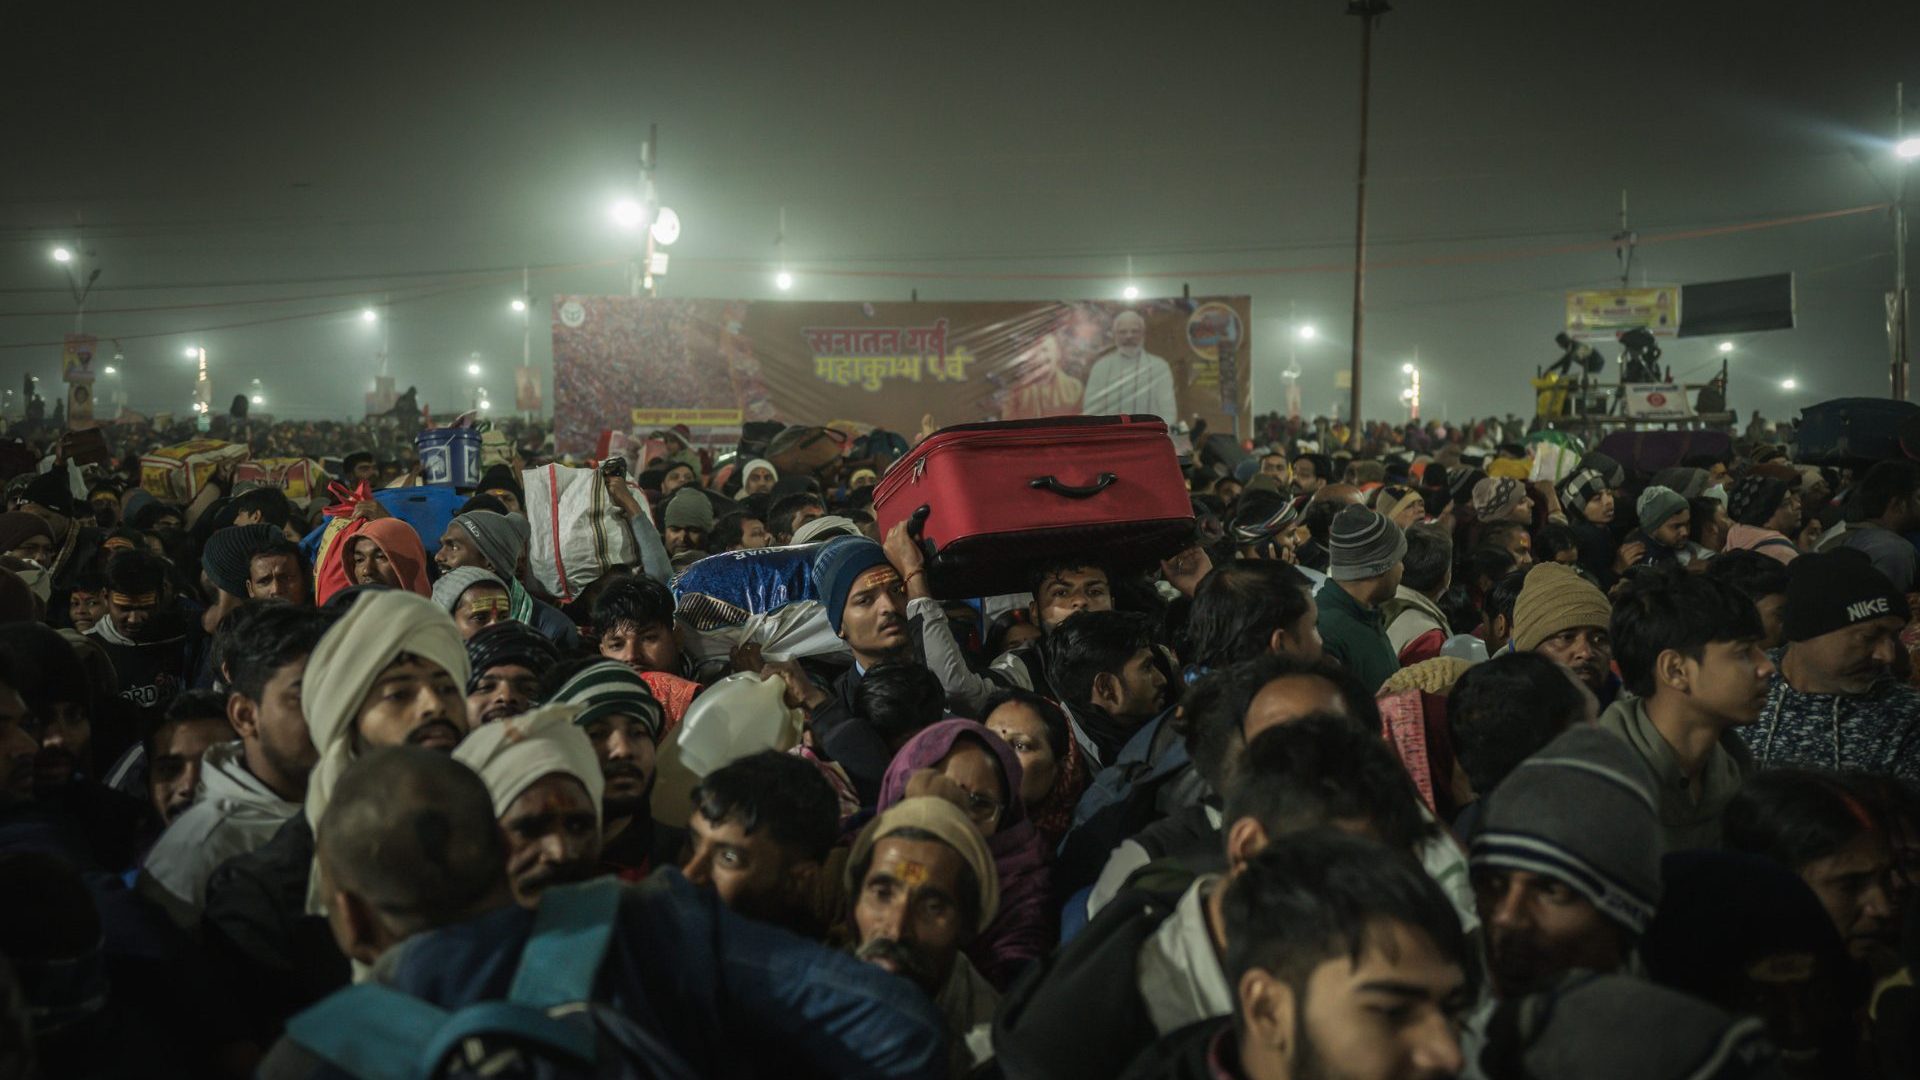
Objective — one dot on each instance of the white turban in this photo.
(376, 631)
(511, 754)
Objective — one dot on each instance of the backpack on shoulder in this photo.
(547, 1028)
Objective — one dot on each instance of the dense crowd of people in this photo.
(1434, 750)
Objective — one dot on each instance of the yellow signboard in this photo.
(661, 418)
(1603, 314)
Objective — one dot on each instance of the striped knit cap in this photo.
(1363, 544)
(610, 688)
(1581, 812)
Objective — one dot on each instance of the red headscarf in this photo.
(395, 538)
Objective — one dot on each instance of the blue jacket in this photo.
(736, 998)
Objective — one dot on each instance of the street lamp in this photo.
(473, 369)
(111, 370)
(1788, 384)
(1907, 149)
(1131, 292)
(1726, 346)
(193, 352)
(1306, 332)
(518, 304)
(783, 281)
(1406, 369)
(368, 315)
(628, 214)
(61, 255)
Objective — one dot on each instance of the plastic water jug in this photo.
(739, 715)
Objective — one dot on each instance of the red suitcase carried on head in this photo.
(999, 499)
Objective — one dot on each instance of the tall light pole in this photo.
(1898, 310)
(1369, 12)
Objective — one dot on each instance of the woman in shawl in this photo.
(1053, 773)
(988, 770)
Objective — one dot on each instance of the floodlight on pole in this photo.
(783, 281)
(61, 255)
(1726, 346)
(1131, 292)
(258, 400)
(111, 370)
(1907, 149)
(368, 315)
(193, 351)
(628, 214)
(473, 369)
(1406, 369)
(519, 304)
(1306, 332)
(1789, 384)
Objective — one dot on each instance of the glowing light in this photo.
(783, 281)
(1131, 292)
(193, 352)
(485, 404)
(61, 255)
(473, 369)
(111, 370)
(1788, 384)
(368, 315)
(1407, 394)
(1726, 346)
(1907, 149)
(519, 304)
(258, 400)
(1406, 369)
(628, 214)
(1307, 332)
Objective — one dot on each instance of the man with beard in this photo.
(277, 571)
(761, 831)
(1343, 960)
(498, 542)
(1311, 472)
(387, 673)
(154, 647)
(507, 660)
(1561, 616)
(923, 885)
(623, 724)
(1566, 865)
(195, 722)
(252, 786)
(1130, 380)
(866, 602)
(1689, 651)
(63, 718)
(1151, 962)
(687, 519)
(546, 788)
(1835, 703)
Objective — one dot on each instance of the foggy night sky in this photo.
(222, 153)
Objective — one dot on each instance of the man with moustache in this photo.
(498, 542)
(546, 785)
(866, 602)
(923, 884)
(1835, 703)
(507, 661)
(623, 723)
(390, 672)
(1561, 616)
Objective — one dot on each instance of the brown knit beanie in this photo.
(1554, 598)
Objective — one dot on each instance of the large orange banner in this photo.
(618, 359)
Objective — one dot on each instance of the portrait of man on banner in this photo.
(1130, 379)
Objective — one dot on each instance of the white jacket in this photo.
(232, 813)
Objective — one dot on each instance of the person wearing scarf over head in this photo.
(758, 477)
(390, 672)
(498, 543)
(373, 551)
(546, 786)
(982, 764)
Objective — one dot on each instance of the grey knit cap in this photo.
(1363, 544)
(1574, 1032)
(1580, 811)
(1657, 504)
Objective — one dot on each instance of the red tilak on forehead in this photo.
(879, 575)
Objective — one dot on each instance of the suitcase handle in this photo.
(1101, 483)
